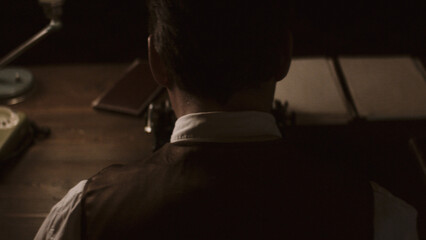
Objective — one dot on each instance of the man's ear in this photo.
(156, 64)
(285, 58)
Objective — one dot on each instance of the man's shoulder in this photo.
(196, 159)
(277, 154)
(235, 179)
(118, 174)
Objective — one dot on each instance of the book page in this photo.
(386, 87)
(313, 92)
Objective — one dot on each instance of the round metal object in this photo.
(15, 84)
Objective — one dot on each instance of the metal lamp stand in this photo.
(16, 83)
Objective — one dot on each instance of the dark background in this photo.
(116, 31)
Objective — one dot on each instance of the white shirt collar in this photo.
(246, 126)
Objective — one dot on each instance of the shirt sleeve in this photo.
(64, 219)
(393, 218)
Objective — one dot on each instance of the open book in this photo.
(378, 88)
(313, 92)
(386, 88)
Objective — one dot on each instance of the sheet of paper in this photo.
(386, 87)
(313, 92)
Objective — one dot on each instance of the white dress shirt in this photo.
(393, 218)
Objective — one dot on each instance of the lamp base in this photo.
(15, 84)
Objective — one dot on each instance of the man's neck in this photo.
(247, 100)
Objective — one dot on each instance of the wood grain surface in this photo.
(82, 142)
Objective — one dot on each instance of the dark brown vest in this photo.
(228, 191)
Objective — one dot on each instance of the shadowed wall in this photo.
(116, 31)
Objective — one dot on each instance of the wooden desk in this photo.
(82, 142)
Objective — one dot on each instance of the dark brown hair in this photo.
(216, 48)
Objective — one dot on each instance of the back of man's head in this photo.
(213, 49)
